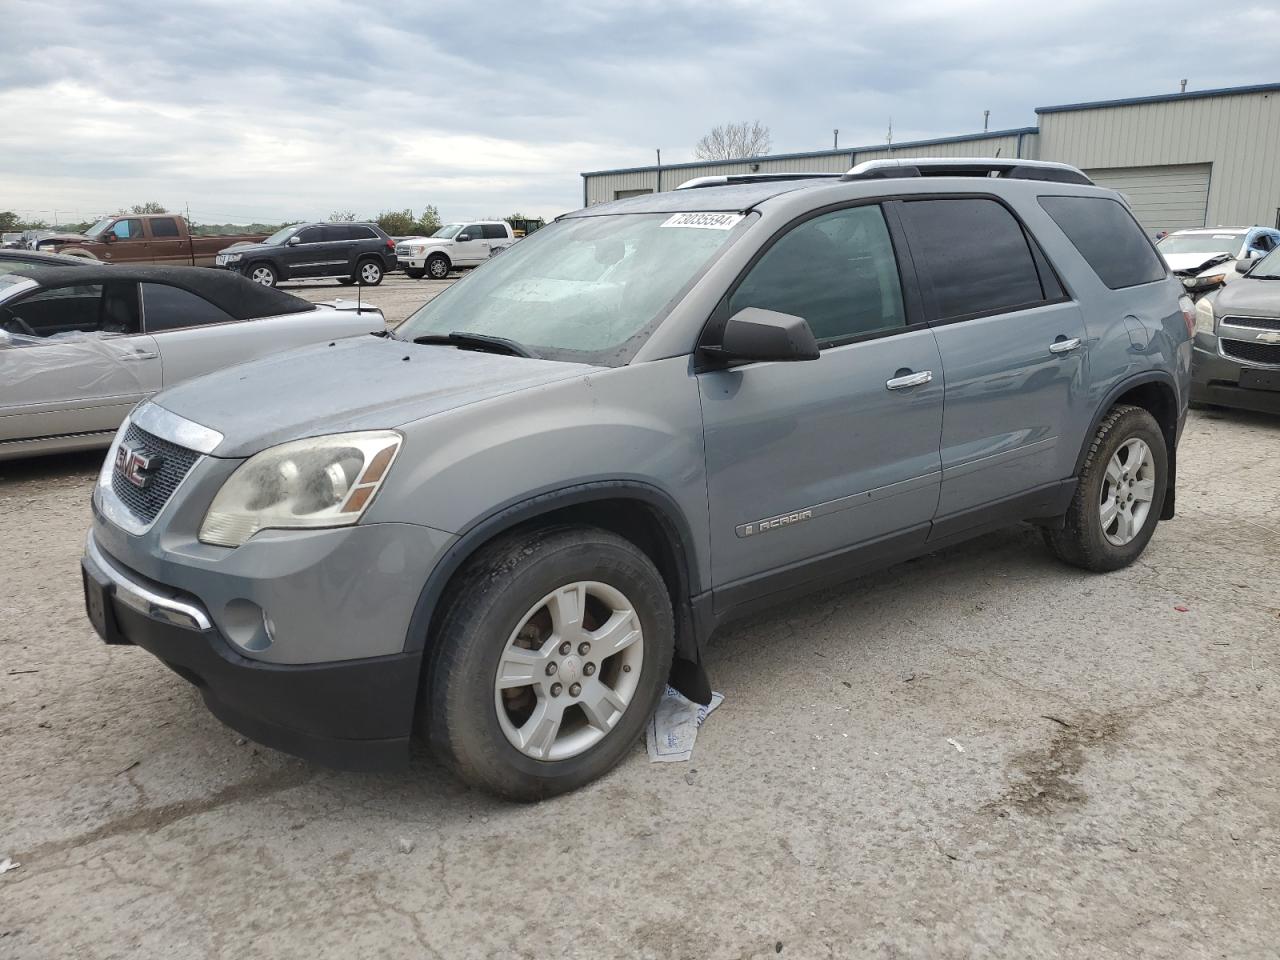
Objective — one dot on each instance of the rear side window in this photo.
(972, 256)
(494, 231)
(171, 308)
(836, 271)
(164, 227)
(1107, 237)
(358, 232)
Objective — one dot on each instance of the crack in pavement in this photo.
(155, 818)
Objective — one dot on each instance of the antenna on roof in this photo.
(986, 119)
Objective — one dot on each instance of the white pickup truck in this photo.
(453, 246)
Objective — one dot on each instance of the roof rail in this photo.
(1011, 169)
(729, 178)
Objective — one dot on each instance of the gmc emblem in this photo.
(137, 467)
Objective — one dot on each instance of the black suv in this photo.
(352, 252)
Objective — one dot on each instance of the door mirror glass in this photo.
(757, 335)
(1246, 264)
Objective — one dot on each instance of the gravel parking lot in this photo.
(979, 753)
(397, 296)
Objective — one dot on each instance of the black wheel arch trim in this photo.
(1165, 379)
(674, 529)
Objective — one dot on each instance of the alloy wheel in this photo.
(262, 275)
(370, 273)
(1128, 490)
(569, 671)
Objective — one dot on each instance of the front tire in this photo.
(262, 273)
(368, 273)
(550, 658)
(437, 266)
(1119, 495)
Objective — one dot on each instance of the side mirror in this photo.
(292, 241)
(1244, 265)
(462, 237)
(757, 335)
(108, 237)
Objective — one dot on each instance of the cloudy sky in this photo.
(270, 110)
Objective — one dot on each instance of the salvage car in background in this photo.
(1203, 260)
(351, 252)
(143, 238)
(1236, 362)
(454, 245)
(81, 345)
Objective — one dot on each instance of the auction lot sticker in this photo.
(704, 221)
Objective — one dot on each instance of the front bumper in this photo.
(1215, 379)
(350, 714)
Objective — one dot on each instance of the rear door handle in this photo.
(139, 355)
(1065, 346)
(909, 380)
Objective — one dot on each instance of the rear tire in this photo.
(1118, 498)
(368, 273)
(438, 266)
(414, 273)
(262, 273)
(523, 696)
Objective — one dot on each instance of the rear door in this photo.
(1014, 354)
(167, 244)
(474, 249)
(498, 238)
(74, 361)
(808, 461)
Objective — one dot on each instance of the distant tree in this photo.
(397, 223)
(9, 221)
(150, 206)
(342, 216)
(429, 222)
(734, 141)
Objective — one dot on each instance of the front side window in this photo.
(164, 227)
(311, 235)
(836, 271)
(280, 236)
(171, 308)
(589, 289)
(972, 256)
(473, 231)
(1110, 239)
(127, 229)
(73, 310)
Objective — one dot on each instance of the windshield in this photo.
(280, 236)
(448, 231)
(1268, 268)
(98, 227)
(1205, 243)
(589, 289)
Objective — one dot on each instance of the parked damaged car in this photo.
(81, 345)
(1236, 362)
(1204, 259)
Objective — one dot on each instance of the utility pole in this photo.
(986, 119)
(659, 189)
(889, 138)
(835, 142)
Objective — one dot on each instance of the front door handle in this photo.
(1065, 346)
(909, 380)
(139, 355)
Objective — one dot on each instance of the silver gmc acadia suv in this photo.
(507, 524)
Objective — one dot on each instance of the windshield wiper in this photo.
(479, 341)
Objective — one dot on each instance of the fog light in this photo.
(248, 626)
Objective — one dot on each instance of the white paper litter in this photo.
(674, 726)
(7, 864)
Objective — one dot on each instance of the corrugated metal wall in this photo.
(604, 187)
(1238, 134)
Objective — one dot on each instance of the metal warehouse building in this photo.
(1202, 158)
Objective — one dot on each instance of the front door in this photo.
(474, 249)
(73, 361)
(807, 461)
(1014, 353)
(309, 256)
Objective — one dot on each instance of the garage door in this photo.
(1163, 198)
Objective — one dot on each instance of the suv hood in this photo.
(1249, 297)
(248, 246)
(361, 383)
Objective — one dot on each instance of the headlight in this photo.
(1201, 283)
(318, 482)
(233, 257)
(417, 251)
(1204, 316)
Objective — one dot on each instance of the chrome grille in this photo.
(1252, 352)
(1257, 323)
(145, 503)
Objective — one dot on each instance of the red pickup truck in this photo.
(144, 238)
